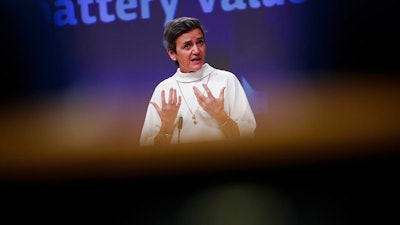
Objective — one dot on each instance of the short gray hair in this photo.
(178, 26)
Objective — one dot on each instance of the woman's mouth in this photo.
(196, 60)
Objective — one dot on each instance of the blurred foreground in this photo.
(322, 155)
(89, 131)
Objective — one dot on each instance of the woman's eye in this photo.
(187, 46)
(200, 42)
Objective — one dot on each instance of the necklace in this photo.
(194, 118)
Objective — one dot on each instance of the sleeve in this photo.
(238, 107)
(152, 121)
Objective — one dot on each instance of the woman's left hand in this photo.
(210, 104)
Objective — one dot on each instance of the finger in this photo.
(156, 107)
(175, 96)
(163, 98)
(198, 95)
(221, 93)
(208, 91)
(170, 99)
(179, 102)
(196, 91)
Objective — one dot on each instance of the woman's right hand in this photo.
(168, 110)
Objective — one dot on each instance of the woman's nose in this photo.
(195, 49)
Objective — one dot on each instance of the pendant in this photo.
(194, 119)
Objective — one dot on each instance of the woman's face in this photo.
(190, 51)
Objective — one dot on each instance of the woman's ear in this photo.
(171, 54)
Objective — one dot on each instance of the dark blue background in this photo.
(264, 47)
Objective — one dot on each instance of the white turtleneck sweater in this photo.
(236, 106)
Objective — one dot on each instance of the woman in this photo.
(198, 103)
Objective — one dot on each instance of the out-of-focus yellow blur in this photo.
(67, 136)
